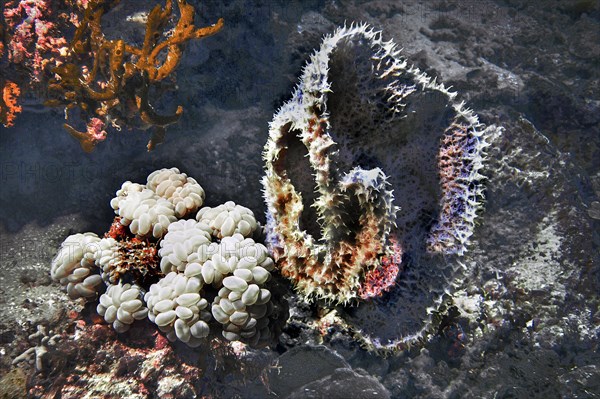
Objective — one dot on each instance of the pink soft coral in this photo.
(32, 39)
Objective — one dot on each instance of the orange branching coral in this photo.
(8, 105)
(150, 54)
(114, 87)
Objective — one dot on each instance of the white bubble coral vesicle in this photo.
(74, 266)
(145, 213)
(228, 219)
(241, 268)
(106, 256)
(241, 306)
(122, 193)
(149, 209)
(176, 307)
(218, 261)
(121, 305)
(247, 251)
(182, 191)
(183, 239)
(237, 266)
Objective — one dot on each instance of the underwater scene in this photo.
(299, 199)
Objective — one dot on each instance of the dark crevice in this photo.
(351, 217)
(294, 163)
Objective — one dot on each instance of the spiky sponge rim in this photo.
(331, 268)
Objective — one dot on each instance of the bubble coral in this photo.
(183, 239)
(176, 307)
(236, 266)
(121, 305)
(74, 266)
(227, 219)
(149, 209)
(203, 276)
(182, 191)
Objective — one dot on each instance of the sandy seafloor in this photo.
(529, 307)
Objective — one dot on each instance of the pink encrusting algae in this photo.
(34, 37)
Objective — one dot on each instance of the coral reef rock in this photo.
(373, 179)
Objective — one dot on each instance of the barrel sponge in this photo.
(184, 192)
(176, 307)
(228, 219)
(121, 305)
(370, 160)
(183, 238)
(74, 266)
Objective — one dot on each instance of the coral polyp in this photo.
(373, 181)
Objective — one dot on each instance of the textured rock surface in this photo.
(343, 383)
(524, 321)
(294, 372)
